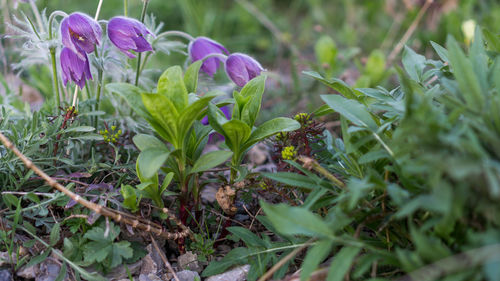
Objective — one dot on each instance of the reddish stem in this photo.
(67, 116)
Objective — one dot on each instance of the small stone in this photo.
(28, 272)
(149, 277)
(258, 154)
(148, 265)
(48, 271)
(5, 275)
(237, 274)
(189, 261)
(187, 275)
(4, 258)
(120, 272)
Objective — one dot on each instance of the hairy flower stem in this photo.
(125, 8)
(139, 56)
(98, 10)
(98, 94)
(57, 96)
(174, 33)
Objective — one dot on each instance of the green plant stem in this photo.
(98, 94)
(138, 70)
(310, 163)
(174, 33)
(57, 96)
(51, 19)
(125, 8)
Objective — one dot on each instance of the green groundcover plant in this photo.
(406, 187)
(409, 191)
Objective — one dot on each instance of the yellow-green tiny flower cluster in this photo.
(281, 136)
(263, 185)
(302, 118)
(288, 153)
(111, 137)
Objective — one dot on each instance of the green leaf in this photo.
(120, 251)
(143, 141)
(413, 63)
(271, 127)
(342, 263)
(296, 220)
(132, 96)
(62, 272)
(333, 83)
(164, 113)
(191, 113)
(129, 197)
(465, 76)
(10, 200)
(235, 256)
(253, 89)
(441, 51)
(166, 181)
(150, 160)
(314, 257)
(171, 85)
(356, 112)
(79, 129)
(325, 51)
(236, 133)
(492, 40)
(55, 234)
(247, 236)
(38, 259)
(191, 76)
(210, 160)
(216, 118)
(293, 179)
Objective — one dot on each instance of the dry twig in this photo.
(116, 215)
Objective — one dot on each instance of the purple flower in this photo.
(74, 67)
(128, 34)
(80, 33)
(202, 47)
(242, 68)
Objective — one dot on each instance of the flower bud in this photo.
(242, 68)
(128, 34)
(202, 47)
(80, 33)
(74, 67)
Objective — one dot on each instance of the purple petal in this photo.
(242, 68)
(142, 45)
(128, 34)
(202, 47)
(236, 70)
(74, 68)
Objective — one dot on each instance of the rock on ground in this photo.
(5, 275)
(187, 275)
(236, 274)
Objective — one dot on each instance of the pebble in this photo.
(187, 275)
(5, 275)
(236, 274)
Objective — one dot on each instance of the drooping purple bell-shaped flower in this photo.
(80, 33)
(74, 68)
(128, 34)
(201, 47)
(242, 68)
